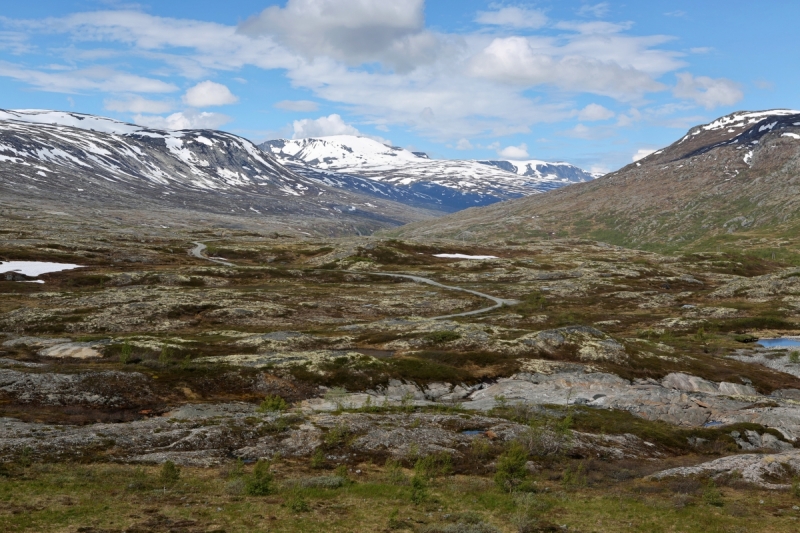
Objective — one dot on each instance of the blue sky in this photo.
(592, 83)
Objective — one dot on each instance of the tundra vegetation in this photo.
(298, 390)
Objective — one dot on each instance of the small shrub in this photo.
(236, 487)
(170, 473)
(435, 465)
(318, 459)
(481, 448)
(712, 495)
(394, 473)
(260, 482)
(337, 435)
(25, 458)
(271, 404)
(138, 480)
(125, 353)
(165, 355)
(298, 504)
(419, 490)
(794, 357)
(574, 479)
(336, 395)
(441, 337)
(511, 471)
(322, 482)
(796, 487)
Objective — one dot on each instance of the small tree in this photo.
(511, 470)
(419, 489)
(260, 482)
(170, 473)
(125, 353)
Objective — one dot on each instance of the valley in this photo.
(504, 368)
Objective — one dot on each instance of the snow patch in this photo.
(35, 268)
(463, 256)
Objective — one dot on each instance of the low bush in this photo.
(272, 403)
(259, 483)
(170, 473)
(441, 337)
(511, 470)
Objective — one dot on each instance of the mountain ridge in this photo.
(727, 181)
(456, 183)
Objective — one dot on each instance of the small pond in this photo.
(780, 342)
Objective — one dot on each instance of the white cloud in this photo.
(514, 17)
(327, 126)
(208, 94)
(93, 78)
(297, 105)
(471, 89)
(582, 131)
(353, 31)
(594, 112)
(701, 50)
(186, 120)
(528, 62)
(464, 144)
(137, 104)
(597, 10)
(642, 153)
(322, 127)
(514, 152)
(708, 92)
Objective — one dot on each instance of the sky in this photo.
(596, 84)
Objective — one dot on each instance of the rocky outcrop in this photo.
(753, 468)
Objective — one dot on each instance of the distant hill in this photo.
(733, 179)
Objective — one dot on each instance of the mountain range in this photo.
(336, 185)
(734, 179)
(413, 177)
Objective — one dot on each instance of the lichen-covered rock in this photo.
(591, 344)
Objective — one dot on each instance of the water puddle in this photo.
(473, 432)
(780, 342)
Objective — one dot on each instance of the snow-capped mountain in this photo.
(733, 182)
(71, 157)
(450, 184)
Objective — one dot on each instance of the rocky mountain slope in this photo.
(735, 178)
(414, 178)
(74, 160)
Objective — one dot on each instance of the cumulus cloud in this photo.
(137, 104)
(208, 94)
(594, 112)
(297, 105)
(514, 152)
(322, 127)
(707, 92)
(186, 120)
(353, 31)
(513, 17)
(523, 61)
(641, 153)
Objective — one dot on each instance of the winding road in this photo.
(199, 248)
